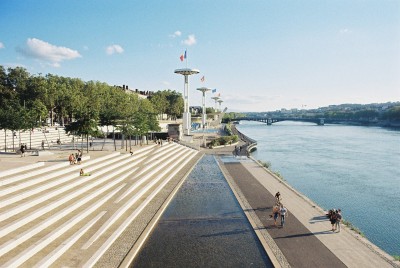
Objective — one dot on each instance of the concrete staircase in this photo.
(52, 217)
(34, 139)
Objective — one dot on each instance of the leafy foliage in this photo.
(224, 140)
(26, 101)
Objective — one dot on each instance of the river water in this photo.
(353, 168)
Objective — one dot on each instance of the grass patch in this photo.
(225, 140)
(353, 228)
(279, 175)
(265, 164)
(396, 257)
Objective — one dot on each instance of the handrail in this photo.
(250, 143)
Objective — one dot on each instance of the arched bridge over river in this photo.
(271, 120)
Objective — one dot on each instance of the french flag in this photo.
(183, 56)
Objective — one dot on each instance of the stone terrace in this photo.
(51, 217)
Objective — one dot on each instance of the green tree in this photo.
(145, 119)
(392, 114)
(86, 114)
(175, 107)
(11, 118)
(160, 102)
(17, 79)
(51, 94)
(210, 110)
(128, 106)
(366, 115)
(34, 112)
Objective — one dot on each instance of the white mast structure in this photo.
(215, 99)
(186, 114)
(216, 109)
(220, 110)
(204, 115)
(220, 101)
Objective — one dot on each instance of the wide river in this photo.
(353, 168)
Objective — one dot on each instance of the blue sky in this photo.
(259, 55)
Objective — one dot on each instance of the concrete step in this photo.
(4, 174)
(132, 215)
(34, 139)
(45, 184)
(49, 190)
(12, 179)
(87, 207)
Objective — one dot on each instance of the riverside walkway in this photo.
(204, 226)
(305, 241)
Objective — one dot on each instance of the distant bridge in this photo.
(271, 120)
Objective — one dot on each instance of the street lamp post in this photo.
(186, 114)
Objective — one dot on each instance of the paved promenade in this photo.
(305, 241)
(52, 217)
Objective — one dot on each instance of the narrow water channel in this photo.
(204, 226)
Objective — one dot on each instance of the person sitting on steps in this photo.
(82, 173)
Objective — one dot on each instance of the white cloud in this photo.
(114, 49)
(1, 45)
(345, 31)
(191, 40)
(176, 34)
(47, 52)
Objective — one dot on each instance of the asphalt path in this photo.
(300, 247)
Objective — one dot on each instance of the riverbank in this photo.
(254, 189)
(338, 166)
(380, 123)
(307, 239)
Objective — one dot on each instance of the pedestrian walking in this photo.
(22, 150)
(71, 159)
(275, 213)
(338, 219)
(278, 198)
(42, 144)
(332, 219)
(284, 214)
(79, 156)
(237, 151)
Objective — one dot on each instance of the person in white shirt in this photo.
(284, 213)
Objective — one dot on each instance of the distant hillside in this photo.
(380, 114)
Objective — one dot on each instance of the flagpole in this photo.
(186, 58)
